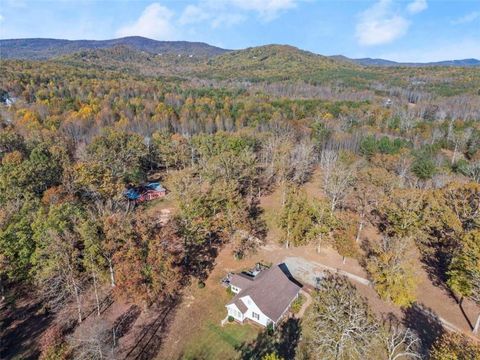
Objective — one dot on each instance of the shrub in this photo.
(230, 318)
(201, 284)
(423, 167)
(297, 304)
(461, 167)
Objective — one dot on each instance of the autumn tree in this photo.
(169, 151)
(339, 324)
(57, 263)
(344, 235)
(391, 270)
(122, 153)
(16, 239)
(93, 261)
(297, 219)
(453, 346)
(147, 263)
(305, 220)
(373, 185)
(464, 270)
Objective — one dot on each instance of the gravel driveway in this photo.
(311, 272)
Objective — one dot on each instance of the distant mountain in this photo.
(269, 62)
(125, 58)
(41, 49)
(386, 63)
(273, 62)
(255, 57)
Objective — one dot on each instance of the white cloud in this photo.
(212, 11)
(417, 6)
(267, 9)
(462, 49)
(225, 19)
(193, 14)
(468, 18)
(379, 25)
(154, 22)
(231, 12)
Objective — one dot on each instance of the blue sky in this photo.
(402, 30)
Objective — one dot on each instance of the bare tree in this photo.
(92, 342)
(459, 138)
(473, 171)
(337, 177)
(400, 342)
(302, 159)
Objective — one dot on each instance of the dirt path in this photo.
(310, 272)
(305, 305)
(435, 298)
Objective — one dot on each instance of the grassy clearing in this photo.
(197, 333)
(216, 342)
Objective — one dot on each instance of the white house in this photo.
(263, 298)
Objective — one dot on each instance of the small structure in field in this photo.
(150, 191)
(263, 297)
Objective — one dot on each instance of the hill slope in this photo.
(274, 63)
(41, 49)
(390, 63)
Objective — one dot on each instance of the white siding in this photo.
(235, 312)
(253, 308)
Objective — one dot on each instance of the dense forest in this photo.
(397, 149)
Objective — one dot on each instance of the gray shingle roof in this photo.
(240, 305)
(271, 290)
(241, 281)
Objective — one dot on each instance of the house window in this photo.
(255, 315)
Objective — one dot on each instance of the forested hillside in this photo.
(49, 48)
(397, 151)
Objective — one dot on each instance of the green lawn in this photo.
(209, 340)
(217, 342)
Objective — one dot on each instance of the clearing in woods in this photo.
(196, 333)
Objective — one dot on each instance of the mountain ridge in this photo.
(48, 48)
(44, 49)
(471, 62)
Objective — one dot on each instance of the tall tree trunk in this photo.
(2, 288)
(288, 238)
(454, 153)
(319, 243)
(96, 292)
(334, 203)
(112, 275)
(360, 228)
(284, 192)
(79, 303)
(476, 328)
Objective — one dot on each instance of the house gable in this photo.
(254, 313)
(266, 297)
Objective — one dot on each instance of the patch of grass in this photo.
(217, 342)
(202, 336)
